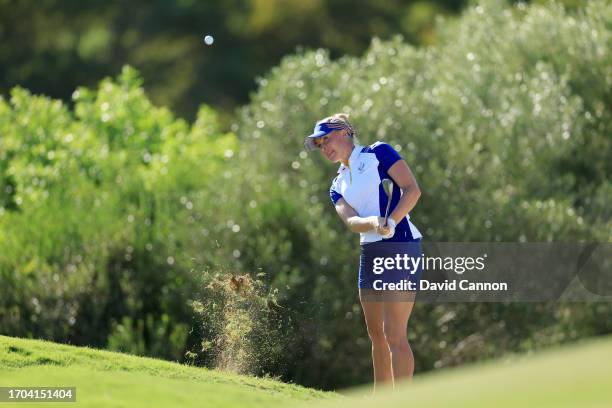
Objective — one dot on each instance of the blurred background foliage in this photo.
(53, 46)
(124, 226)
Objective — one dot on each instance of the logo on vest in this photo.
(361, 167)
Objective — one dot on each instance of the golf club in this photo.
(388, 187)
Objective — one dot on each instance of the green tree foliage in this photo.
(53, 46)
(98, 214)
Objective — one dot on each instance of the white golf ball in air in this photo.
(209, 40)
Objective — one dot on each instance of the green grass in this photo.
(105, 378)
(579, 375)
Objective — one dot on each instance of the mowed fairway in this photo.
(578, 375)
(105, 379)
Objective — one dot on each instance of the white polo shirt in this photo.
(360, 184)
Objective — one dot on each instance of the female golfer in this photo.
(361, 201)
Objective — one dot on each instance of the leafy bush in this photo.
(100, 213)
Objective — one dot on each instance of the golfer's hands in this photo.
(386, 230)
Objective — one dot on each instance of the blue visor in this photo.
(320, 130)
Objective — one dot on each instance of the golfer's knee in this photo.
(397, 340)
(377, 335)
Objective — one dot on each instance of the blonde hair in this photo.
(344, 119)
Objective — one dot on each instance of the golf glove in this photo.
(391, 225)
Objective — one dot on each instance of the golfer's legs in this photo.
(396, 315)
(373, 312)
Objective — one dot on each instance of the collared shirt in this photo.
(360, 184)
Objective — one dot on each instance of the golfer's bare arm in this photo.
(403, 177)
(352, 220)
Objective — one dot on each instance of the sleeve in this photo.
(333, 192)
(386, 155)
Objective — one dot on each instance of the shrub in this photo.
(101, 216)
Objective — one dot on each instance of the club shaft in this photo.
(388, 206)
